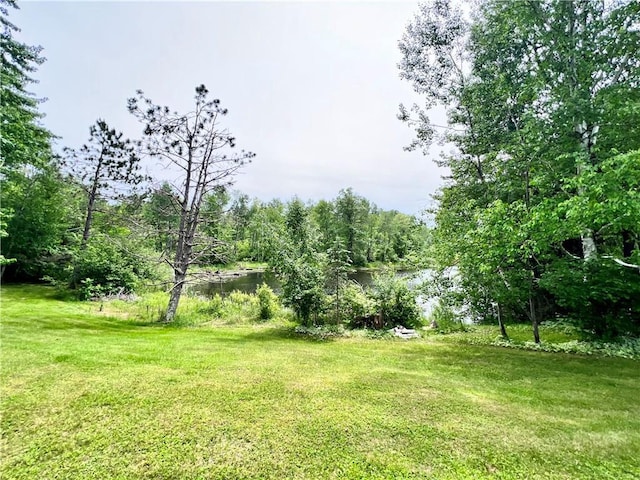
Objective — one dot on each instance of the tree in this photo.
(298, 265)
(240, 215)
(524, 73)
(33, 201)
(562, 84)
(161, 212)
(194, 144)
(23, 141)
(298, 226)
(41, 210)
(265, 225)
(351, 212)
(323, 216)
(105, 167)
(338, 269)
(216, 226)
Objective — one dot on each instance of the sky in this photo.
(312, 88)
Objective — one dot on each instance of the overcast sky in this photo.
(312, 88)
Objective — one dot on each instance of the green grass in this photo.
(89, 394)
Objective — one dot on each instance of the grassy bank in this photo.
(90, 394)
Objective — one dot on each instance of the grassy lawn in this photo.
(88, 395)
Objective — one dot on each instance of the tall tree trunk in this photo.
(91, 203)
(589, 250)
(176, 292)
(337, 300)
(88, 219)
(534, 319)
(503, 330)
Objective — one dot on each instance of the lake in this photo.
(249, 281)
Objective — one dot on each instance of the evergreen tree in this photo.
(33, 202)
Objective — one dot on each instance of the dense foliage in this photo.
(80, 220)
(540, 215)
(247, 228)
(32, 209)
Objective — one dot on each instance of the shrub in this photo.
(599, 296)
(624, 347)
(87, 289)
(239, 308)
(444, 319)
(320, 332)
(267, 301)
(355, 305)
(396, 302)
(213, 307)
(105, 267)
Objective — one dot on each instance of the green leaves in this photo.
(551, 89)
(608, 195)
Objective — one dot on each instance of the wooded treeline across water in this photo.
(539, 218)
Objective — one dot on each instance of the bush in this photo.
(397, 303)
(87, 289)
(624, 347)
(322, 332)
(302, 282)
(239, 307)
(195, 310)
(355, 306)
(267, 301)
(213, 307)
(601, 297)
(105, 267)
(444, 319)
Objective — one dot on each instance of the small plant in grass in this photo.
(268, 302)
(444, 320)
(213, 307)
(622, 348)
(320, 332)
(378, 334)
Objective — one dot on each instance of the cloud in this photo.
(312, 88)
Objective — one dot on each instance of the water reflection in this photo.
(246, 282)
(249, 281)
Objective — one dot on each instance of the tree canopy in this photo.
(540, 207)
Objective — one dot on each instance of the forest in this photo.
(537, 219)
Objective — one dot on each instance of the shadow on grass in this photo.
(106, 324)
(273, 333)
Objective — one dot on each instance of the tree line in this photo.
(537, 220)
(539, 217)
(90, 218)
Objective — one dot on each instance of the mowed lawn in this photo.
(85, 395)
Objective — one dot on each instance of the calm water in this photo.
(252, 280)
(243, 283)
